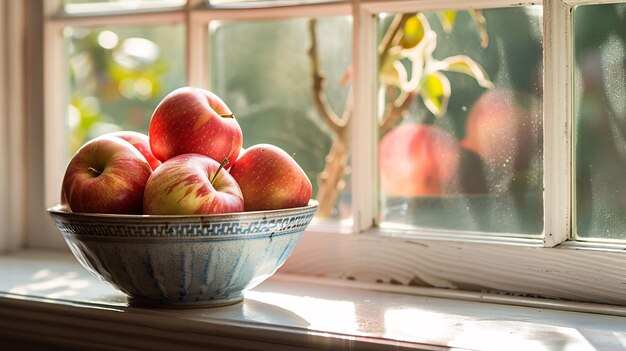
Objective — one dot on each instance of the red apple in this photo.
(241, 152)
(141, 143)
(193, 120)
(503, 127)
(418, 160)
(270, 179)
(191, 184)
(106, 175)
(64, 205)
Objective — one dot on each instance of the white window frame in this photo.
(12, 127)
(553, 267)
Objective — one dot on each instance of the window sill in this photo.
(48, 298)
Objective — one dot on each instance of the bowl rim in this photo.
(311, 206)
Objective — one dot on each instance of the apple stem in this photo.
(94, 171)
(228, 115)
(224, 163)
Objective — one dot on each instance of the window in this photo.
(536, 212)
(265, 69)
(600, 115)
(117, 75)
(460, 147)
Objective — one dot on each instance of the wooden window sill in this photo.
(47, 298)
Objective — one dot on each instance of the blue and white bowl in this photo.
(184, 261)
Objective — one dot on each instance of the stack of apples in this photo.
(191, 162)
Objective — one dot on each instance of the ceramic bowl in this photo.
(184, 261)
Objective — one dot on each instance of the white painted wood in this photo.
(460, 295)
(134, 18)
(363, 124)
(52, 8)
(39, 227)
(396, 231)
(55, 101)
(375, 6)
(595, 246)
(12, 164)
(306, 10)
(15, 105)
(55, 131)
(197, 51)
(557, 122)
(252, 5)
(42, 232)
(106, 8)
(54, 105)
(50, 298)
(563, 273)
(5, 228)
(591, 2)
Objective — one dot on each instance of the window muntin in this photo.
(477, 164)
(117, 76)
(90, 6)
(263, 3)
(263, 70)
(600, 122)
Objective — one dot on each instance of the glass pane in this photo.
(600, 122)
(82, 6)
(460, 96)
(117, 76)
(263, 71)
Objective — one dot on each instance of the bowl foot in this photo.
(139, 302)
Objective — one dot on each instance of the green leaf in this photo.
(393, 72)
(464, 64)
(435, 92)
(422, 51)
(413, 32)
(447, 19)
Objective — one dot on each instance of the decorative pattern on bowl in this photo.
(184, 261)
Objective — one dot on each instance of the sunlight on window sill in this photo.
(52, 285)
(50, 282)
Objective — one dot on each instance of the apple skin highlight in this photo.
(503, 128)
(182, 186)
(194, 120)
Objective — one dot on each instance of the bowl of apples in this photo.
(168, 219)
